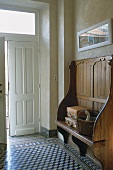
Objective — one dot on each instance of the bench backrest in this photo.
(93, 79)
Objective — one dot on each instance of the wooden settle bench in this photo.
(91, 86)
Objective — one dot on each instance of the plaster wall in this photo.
(61, 17)
(45, 68)
(60, 50)
(65, 44)
(68, 39)
(87, 14)
(60, 53)
(53, 63)
(49, 65)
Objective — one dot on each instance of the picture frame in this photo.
(95, 36)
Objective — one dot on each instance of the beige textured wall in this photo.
(87, 14)
(53, 63)
(45, 67)
(61, 27)
(68, 39)
(65, 44)
(49, 65)
(60, 50)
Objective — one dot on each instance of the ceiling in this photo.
(24, 3)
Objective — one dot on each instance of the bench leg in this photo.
(64, 133)
(82, 146)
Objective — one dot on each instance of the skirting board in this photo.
(48, 133)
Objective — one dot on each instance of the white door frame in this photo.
(19, 37)
(2, 93)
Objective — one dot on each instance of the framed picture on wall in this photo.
(95, 36)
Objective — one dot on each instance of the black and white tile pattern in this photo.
(83, 159)
(36, 152)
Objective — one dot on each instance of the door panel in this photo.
(29, 74)
(18, 71)
(23, 93)
(2, 93)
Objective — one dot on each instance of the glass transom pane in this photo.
(17, 22)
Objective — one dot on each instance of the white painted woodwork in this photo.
(2, 93)
(23, 92)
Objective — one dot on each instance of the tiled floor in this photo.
(36, 152)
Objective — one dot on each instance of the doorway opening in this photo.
(27, 46)
(29, 7)
(16, 18)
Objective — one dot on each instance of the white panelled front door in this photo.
(2, 93)
(23, 88)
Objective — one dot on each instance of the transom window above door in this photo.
(17, 22)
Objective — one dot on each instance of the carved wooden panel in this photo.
(93, 82)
